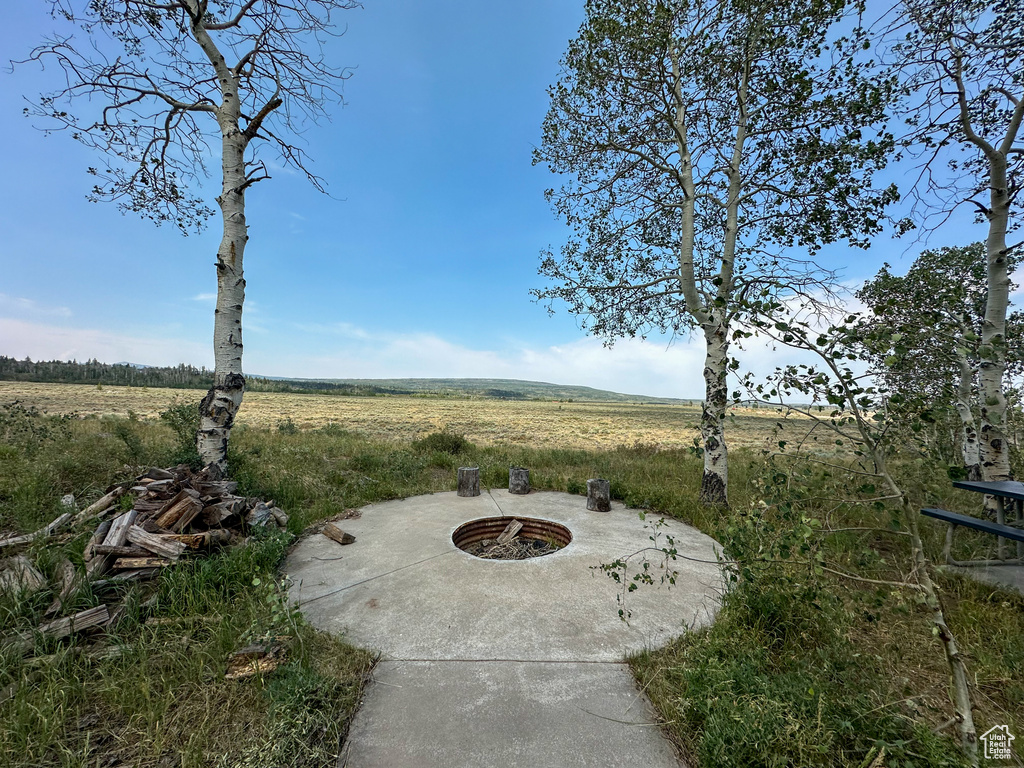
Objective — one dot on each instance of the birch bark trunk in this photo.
(968, 432)
(995, 450)
(711, 312)
(715, 481)
(960, 689)
(218, 409)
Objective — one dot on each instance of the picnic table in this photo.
(1002, 491)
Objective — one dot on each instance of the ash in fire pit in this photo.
(506, 538)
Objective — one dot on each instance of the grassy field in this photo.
(801, 668)
(593, 426)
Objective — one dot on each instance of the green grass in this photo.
(799, 669)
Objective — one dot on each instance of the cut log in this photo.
(259, 516)
(220, 513)
(19, 575)
(46, 530)
(123, 577)
(67, 578)
(99, 506)
(510, 532)
(190, 513)
(518, 480)
(599, 495)
(94, 617)
(134, 563)
(67, 582)
(118, 533)
(332, 531)
(96, 567)
(155, 473)
(177, 507)
(280, 516)
(149, 526)
(125, 551)
(199, 540)
(158, 545)
(97, 538)
(217, 487)
(469, 481)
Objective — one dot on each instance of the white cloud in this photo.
(27, 307)
(343, 350)
(22, 339)
(631, 366)
(205, 297)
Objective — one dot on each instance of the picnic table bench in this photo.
(1001, 490)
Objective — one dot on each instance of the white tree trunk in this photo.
(995, 450)
(715, 482)
(968, 432)
(221, 404)
(959, 678)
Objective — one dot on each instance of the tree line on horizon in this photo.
(182, 376)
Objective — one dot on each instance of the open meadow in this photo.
(591, 426)
(804, 665)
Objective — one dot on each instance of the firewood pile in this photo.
(510, 545)
(174, 514)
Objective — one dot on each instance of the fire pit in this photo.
(536, 538)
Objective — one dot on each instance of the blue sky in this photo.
(420, 262)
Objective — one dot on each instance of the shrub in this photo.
(443, 442)
(183, 418)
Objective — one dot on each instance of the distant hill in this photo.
(504, 389)
(190, 377)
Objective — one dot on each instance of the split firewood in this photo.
(223, 511)
(158, 545)
(259, 516)
(137, 563)
(201, 539)
(510, 532)
(117, 614)
(119, 579)
(68, 581)
(125, 551)
(217, 487)
(149, 526)
(19, 575)
(46, 530)
(97, 538)
(155, 473)
(179, 506)
(332, 531)
(99, 506)
(190, 513)
(96, 567)
(280, 516)
(93, 617)
(118, 533)
(149, 506)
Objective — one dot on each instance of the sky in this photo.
(418, 264)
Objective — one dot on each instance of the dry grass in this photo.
(591, 426)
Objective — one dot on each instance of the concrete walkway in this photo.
(499, 663)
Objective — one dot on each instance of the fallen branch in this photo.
(47, 530)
